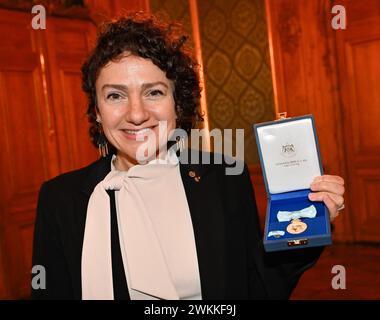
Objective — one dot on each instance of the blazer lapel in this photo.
(207, 217)
(96, 173)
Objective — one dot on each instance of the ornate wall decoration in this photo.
(221, 65)
(236, 62)
(174, 9)
(224, 111)
(216, 26)
(248, 62)
(244, 17)
(248, 87)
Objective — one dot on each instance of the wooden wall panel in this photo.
(3, 278)
(367, 224)
(304, 64)
(70, 103)
(131, 5)
(26, 250)
(363, 66)
(18, 263)
(43, 129)
(334, 74)
(77, 127)
(358, 50)
(101, 10)
(21, 135)
(26, 153)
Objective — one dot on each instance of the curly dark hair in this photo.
(152, 38)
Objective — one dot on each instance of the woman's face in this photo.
(133, 95)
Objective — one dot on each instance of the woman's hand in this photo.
(330, 190)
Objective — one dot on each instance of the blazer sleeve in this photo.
(48, 251)
(272, 275)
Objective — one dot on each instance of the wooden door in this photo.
(68, 43)
(28, 153)
(358, 52)
(43, 128)
(304, 70)
(334, 74)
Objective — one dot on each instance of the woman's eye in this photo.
(114, 96)
(155, 93)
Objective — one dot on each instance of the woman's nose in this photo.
(136, 112)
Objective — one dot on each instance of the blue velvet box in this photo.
(290, 160)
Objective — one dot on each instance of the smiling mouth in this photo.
(138, 132)
(131, 133)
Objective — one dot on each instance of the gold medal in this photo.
(296, 226)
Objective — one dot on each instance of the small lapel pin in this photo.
(192, 174)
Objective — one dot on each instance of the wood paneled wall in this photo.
(358, 52)
(333, 74)
(101, 10)
(305, 75)
(43, 125)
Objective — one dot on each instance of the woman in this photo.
(119, 229)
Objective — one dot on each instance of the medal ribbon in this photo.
(309, 212)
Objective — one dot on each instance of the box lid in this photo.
(289, 153)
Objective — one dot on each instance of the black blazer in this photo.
(232, 262)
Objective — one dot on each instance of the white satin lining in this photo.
(156, 235)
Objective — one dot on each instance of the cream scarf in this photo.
(155, 230)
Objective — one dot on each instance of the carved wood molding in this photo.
(69, 9)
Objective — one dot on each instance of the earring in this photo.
(102, 142)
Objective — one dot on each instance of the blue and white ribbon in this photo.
(309, 212)
(276, 233)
